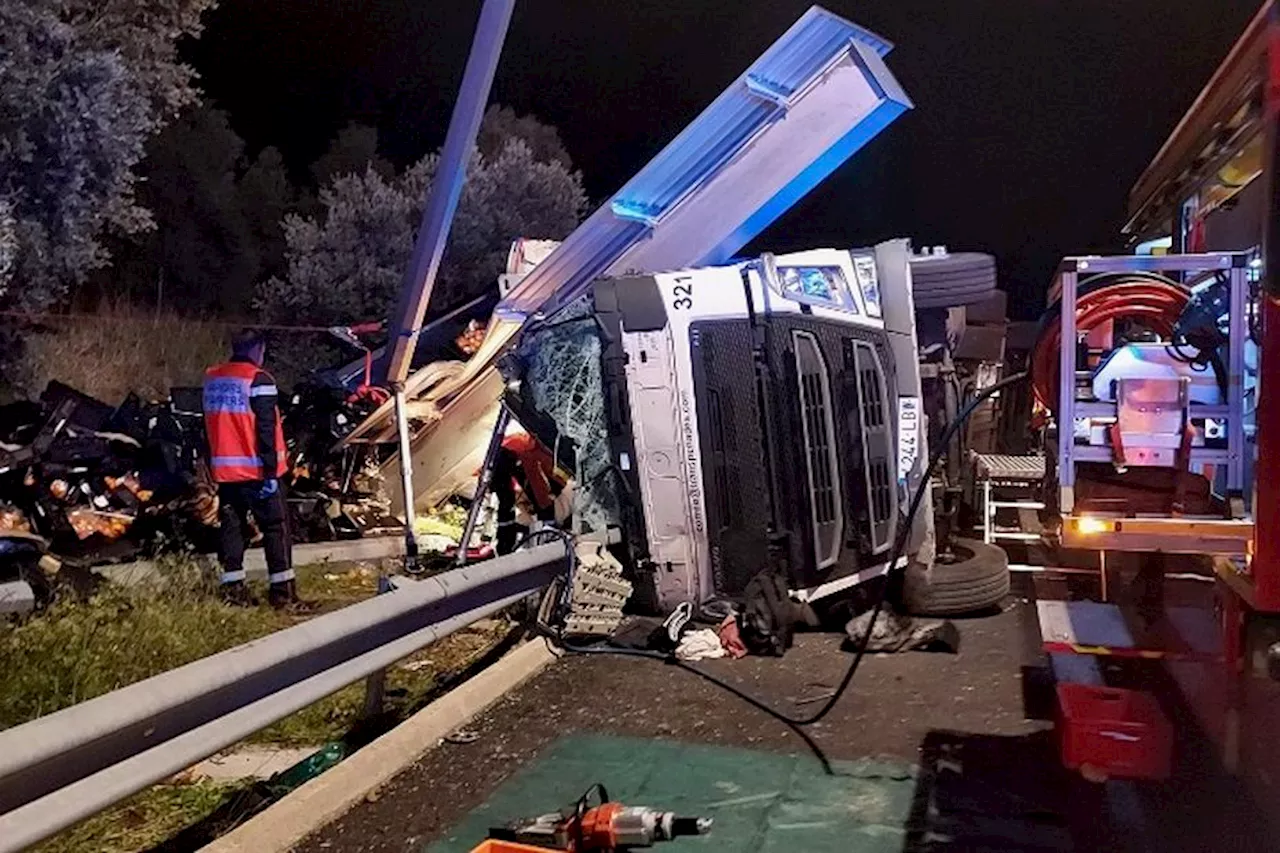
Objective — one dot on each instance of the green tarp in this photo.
(760, 801)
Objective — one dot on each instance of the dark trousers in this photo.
(507, 473)
(235, 502)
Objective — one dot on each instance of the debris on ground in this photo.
(103, 484)
(246, 761)
(446, 522)
(700, 644)
(461, 737)
(731, 637)
(599, 592)
(897, 632)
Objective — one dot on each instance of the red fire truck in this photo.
(1161, 372)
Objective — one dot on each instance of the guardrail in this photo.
(59, 769)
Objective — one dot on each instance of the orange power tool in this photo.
(606, 828)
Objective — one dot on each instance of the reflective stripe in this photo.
(233, 577)
(232, 426)
(236, 462)
(281, 577)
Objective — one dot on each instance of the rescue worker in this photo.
(247, 457)
(525, 479)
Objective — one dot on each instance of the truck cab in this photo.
(759, 415)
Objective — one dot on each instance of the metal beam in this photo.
(1208, 262)
(52, 752)
(406, 479)
(62, 808)
(446, 185)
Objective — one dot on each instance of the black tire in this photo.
(978, 580)
(955, 262)
(949, 281)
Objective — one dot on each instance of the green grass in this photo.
(408, 685)
(82, 649)
(144, 820)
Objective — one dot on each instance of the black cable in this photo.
(571, 568)
(897, 553)
(580, 809)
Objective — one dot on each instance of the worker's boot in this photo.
(284, 596)
(237, 594)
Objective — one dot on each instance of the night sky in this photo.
(1033, 117)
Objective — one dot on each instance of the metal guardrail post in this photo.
(375, 686)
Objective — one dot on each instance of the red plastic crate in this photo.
(1114, 733)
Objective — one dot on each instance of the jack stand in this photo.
(406, 480)
(486, 478)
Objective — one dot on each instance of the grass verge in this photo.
(81, 649)
(144, 821)
(127, 349)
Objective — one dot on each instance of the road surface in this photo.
(977, 725)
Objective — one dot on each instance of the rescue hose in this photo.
(1155, 300)
(900, 545)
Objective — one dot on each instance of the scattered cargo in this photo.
(84, 483)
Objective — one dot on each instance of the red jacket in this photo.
(539, 468)
(246, 436)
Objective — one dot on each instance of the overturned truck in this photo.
(727, 416)
(737, 418)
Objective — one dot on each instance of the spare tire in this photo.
(975, 577)
(949, 281)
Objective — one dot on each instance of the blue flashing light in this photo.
(894, 102)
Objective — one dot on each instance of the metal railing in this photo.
(59, 769)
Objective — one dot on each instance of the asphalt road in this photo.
(977, 724)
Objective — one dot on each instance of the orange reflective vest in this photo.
(539, 468)
(232, 426)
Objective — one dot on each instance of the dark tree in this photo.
(347, 266)
(265, 196)
(502, 124)
(353, 150)
(203, 250)
(83, 85)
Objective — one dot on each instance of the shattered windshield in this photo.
(562, 375)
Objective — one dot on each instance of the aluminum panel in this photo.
(815, 97)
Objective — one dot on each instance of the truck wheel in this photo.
(948, 281)
(975, 578)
